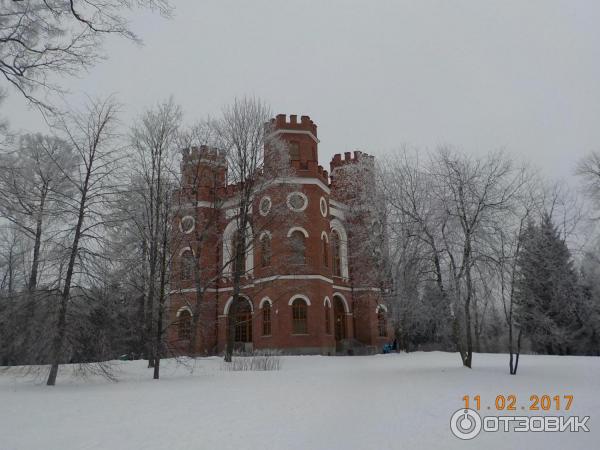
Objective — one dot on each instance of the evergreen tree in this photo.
(547, 291)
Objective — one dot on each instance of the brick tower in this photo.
(303, 291)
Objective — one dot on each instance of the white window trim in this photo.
(383, 307)
(301, 194)
(260, 211)
(337, 226)
(300, 229)
(300, 296)
(323, 206)
(265, 300)
(191, 228)
(184, 308)
(265, 233)
(324, 236)
(230, 301)
(228, 250)
(327, 302)
(185, 249)
(344, 301)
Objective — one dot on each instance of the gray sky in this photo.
(479, 75)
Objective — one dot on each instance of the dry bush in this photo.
(258, 360)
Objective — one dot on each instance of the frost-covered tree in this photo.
(546, 292)
(154, 140)
(589, 171)
(256, 158)
(33, 183)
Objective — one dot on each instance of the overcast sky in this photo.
(479, 75)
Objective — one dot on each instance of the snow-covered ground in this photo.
(373, 402)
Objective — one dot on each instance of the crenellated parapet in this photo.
(356, 157)
(282, 121)
(202, 154)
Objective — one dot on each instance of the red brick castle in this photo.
(308, 285)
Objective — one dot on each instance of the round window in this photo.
(376, 227)
(265, 206)
(323, 205)
(186, 225)
(297, 201)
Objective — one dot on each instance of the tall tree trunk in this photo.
(468, 329)
(59, 339)
(237, 276)
(161, 302)
(33, 277)
(37, 244)
(141, 315)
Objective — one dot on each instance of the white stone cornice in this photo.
(284, 131)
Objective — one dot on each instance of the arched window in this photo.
(335, 246)
(243, 320)
(298, 244)
(381, 322)
(299, 317)
(325, 252)
(184, 325)
(266, 316)
(327, 318)
(294, 151)
(186, 271)
(265, 250)
(234, 246)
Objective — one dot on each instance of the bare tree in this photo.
(154, 139)
(245, 136)
(589, 171)
(41, 39)
(475, 194)
(92, 136)
(449, 205)
(32, 188)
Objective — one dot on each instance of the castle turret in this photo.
(204, 173)
(300, 139)
(351, 175)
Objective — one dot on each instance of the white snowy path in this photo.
(373, 402)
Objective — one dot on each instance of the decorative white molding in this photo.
(265, 300)
(301, 195)
(324, 236)
(300, 229)
(228, 250)
(182, 309)
(323, 206)
(338, 205)
(381, 307)
(284, 131)
(327, 302)
(337, 213)
(364, 289)
(281, 277)
(192, 226)
(301, 296)
(266, 199)
(185, 249)
(342, 288)
(344, 301)
(293, 277)
(230, 301)
(303, 181)
(337, 226)
(265, 233)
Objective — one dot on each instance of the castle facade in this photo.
(308, 285)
